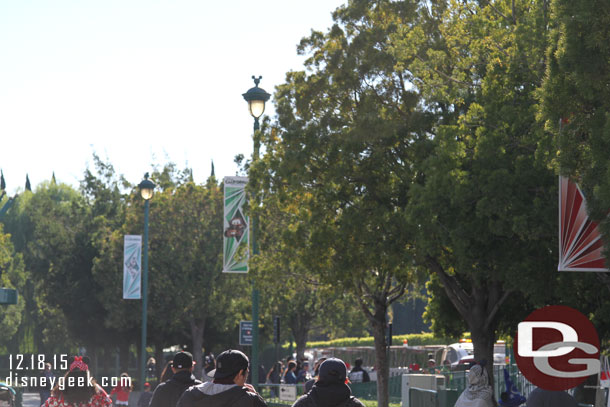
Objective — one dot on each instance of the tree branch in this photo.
(443, 74)
(460, 298)
(497, 11)
(396, 293)
(492, 314)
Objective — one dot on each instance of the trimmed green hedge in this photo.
(414, 340)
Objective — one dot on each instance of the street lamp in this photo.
(147, 188)
(256, 98)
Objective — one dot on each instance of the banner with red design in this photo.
(580, 243)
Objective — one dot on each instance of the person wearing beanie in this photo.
(331, 389)
(358, 374)
(167, 393)
(229, 387)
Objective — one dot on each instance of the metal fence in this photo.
(364, 391)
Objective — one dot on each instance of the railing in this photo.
(364, 391)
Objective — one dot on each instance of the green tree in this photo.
(484, 201)
(12, 275)
(186, 253)
(304, 303)
(338, 159)
(51, 228)
(575, 101)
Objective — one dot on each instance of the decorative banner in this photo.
(580, 243)
(132, 266)
(236, 226)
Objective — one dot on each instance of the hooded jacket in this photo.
(211, 394)
(328, 395)
(168, 393)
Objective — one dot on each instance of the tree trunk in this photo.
(382, 366)
(483, 342)
(197, 330)
(479, 308)
(299, 325)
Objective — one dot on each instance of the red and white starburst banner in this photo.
(580, 243)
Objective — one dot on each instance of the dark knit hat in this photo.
(333, 370)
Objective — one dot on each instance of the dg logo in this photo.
(557, 348)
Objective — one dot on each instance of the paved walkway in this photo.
(31, 400)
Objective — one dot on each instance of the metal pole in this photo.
(144, 298)
(254, 364)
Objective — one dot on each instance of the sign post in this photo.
(8, 296)
(245, 333)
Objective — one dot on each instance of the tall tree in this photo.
(186, 253)
(303, 302)
(51, 227)
(337, 160)
(484, 204)
(575, 102)
(12, 275)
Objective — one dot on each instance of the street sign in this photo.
(245, 333)
(8, 296)
(288, 392)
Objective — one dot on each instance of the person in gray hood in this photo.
(331, 389)
(229, 387)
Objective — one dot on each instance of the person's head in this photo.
(431, 363)
(183, 361)
(78, 386)
(447, 363)
(316, 367)
(291, 366)
(146, 386)
(477, 376)
(278, 366)
(358, 362)
(231, 368)
(167, 372)
(333, 371)
(151, 361)
(306, 366)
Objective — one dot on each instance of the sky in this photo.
(139, 82)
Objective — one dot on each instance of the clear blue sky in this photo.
(139, 82)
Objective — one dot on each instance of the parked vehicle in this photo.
(7, 396)
(461, 354)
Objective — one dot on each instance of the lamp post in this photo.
(147, 188)
(256, 98)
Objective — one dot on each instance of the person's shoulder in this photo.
(189, 397)
(303, 401)
(254, 399)
(354, 402)
(166, 385)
